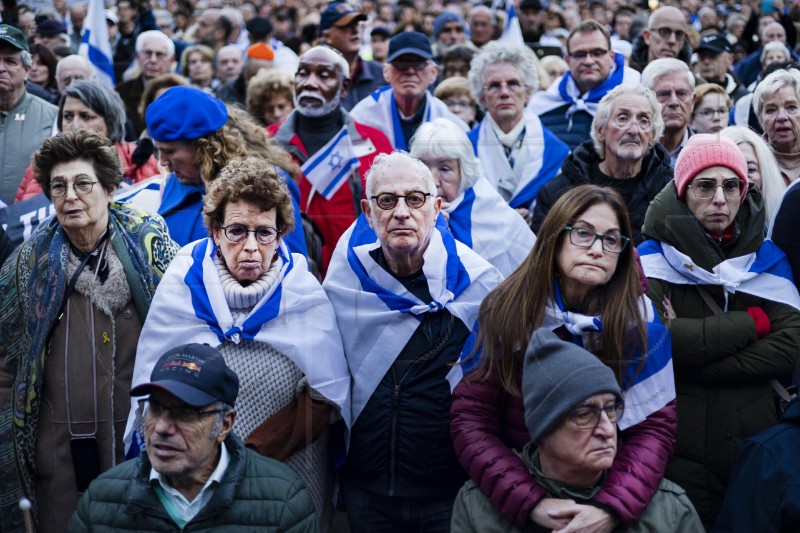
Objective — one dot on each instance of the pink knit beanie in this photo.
(704, 151)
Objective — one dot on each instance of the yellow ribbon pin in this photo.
(106, 338)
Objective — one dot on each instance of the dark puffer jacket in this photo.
(256, 494)
(640, 52)
(722, 370)
(583, 166)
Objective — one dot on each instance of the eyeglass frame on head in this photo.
(80, 182)
(189, 415)
(396, 198)
(727, 193)
(614, 412)
(597, 236)
(273, 231)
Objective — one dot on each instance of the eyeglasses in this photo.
(682, 95)
(708, 112)
(82, 187)
(623, 121)
(238, 233)
(513, 86)
(665, 33)
(580, 55)
(418, 66)
(705, 189)
(585, 238)
(387, 201)
(589, 417)
(458, 104)
(183, 416)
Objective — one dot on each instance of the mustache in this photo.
(312, 95)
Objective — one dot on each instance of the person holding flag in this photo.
(335, 151)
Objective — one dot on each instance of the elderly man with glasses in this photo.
(407, 294)
(517, 152)
(572, 406)
(664, 36)
(400, 108)
(674, 84)
(570, 103)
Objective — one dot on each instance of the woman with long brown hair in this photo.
(581, 281)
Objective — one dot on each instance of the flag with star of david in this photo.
(331, 166)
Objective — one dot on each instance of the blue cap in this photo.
(184, 114)
(339, 14)
(409, 42)
(196, 374)
(445, 17)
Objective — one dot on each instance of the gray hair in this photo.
(75, 57)
(100, 99)
(157, 35)
(335, 56)
(495, 52)
(772, 184)
(224, 409)
(664, 66)
(773, 46)
(164, 14)
(26, 58)
(442, 138)
(603, 114)
(772, 84)
(385, 161)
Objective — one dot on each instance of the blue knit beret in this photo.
(184, 114)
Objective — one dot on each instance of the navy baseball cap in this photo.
(409, 42)
(195, 374)
(715, 43)
(339, 14)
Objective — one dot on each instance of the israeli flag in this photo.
(330, 167)
(512, 31)
(96, 45)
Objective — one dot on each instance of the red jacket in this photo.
(332, 216)
(486, 423)
(30, 187)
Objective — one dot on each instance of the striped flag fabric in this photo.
(95, 44)
(331, 166)
(512, 31)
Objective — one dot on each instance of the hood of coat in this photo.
(669, 220)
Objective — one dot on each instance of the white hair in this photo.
(772, 46)
(334, 55)
(664, 66)
(603, 114)
(772, 184)
(385, 161)
(495, 52)
(74, 58)
(158, 36)
(772, 84)
(442, 138)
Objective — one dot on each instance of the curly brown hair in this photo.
(253, 180)
(82, 145)
(214, 151)
(258, 143)
(265, 85)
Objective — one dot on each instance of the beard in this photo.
(326, 106)
(628, 150)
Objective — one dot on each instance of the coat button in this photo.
(128, 313)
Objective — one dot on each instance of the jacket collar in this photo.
(287, 131)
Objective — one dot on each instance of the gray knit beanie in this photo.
(557, 376)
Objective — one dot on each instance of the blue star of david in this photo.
(335, 161)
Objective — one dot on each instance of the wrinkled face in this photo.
(277, 109)
(402, 231)
(318, 84)
(78, 115)
(780, 116)
(446, 175)
(590, 59)
(200, 68)
(713, 66)
(718, 212)
(774, 56)
(154, 59)
(410, 75)
(229, 64)
(753, 167)
(248, 259)
(84, 215)
(666, 37)
(71, 70)
(178, 157)
(580, 455)
(40, 73)
(346, 39)
(629, 132)
(12, 73)
(675, 95)
(185, 451)
(452, 33)
(581, 269)
(710, 114)
(481, 28)
(504, 94)
(774, 32)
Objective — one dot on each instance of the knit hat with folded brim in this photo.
(704, 151)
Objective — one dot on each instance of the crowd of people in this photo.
(400, 266)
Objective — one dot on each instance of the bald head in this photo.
(665, 34)
(71, 69)
(666, 14)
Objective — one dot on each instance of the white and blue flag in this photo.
(331, 166)
(96, 45)
(512, 31)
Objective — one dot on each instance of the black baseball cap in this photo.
(14, 37)
(339, 14)
(195, 374)
(715, 43)
(409, 42)
(50, 28)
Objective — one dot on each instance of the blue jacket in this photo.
(369, 79)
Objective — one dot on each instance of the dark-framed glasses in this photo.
(596, 53)
(179, 415)
(403, 66)
(239, 232)
(82, 186)
(388, 201)
(589, 417)
(707, 188)
(585, 238)
(665, 33)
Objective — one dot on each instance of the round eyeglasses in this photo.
(589, 417)
(387, 201)
(705, 189)
(82, 187)
(238, 233)
(585, 238)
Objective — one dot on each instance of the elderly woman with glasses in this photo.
(580, 281)
(730, 305)
(73, 299)
(241, 290)
(776, 103)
